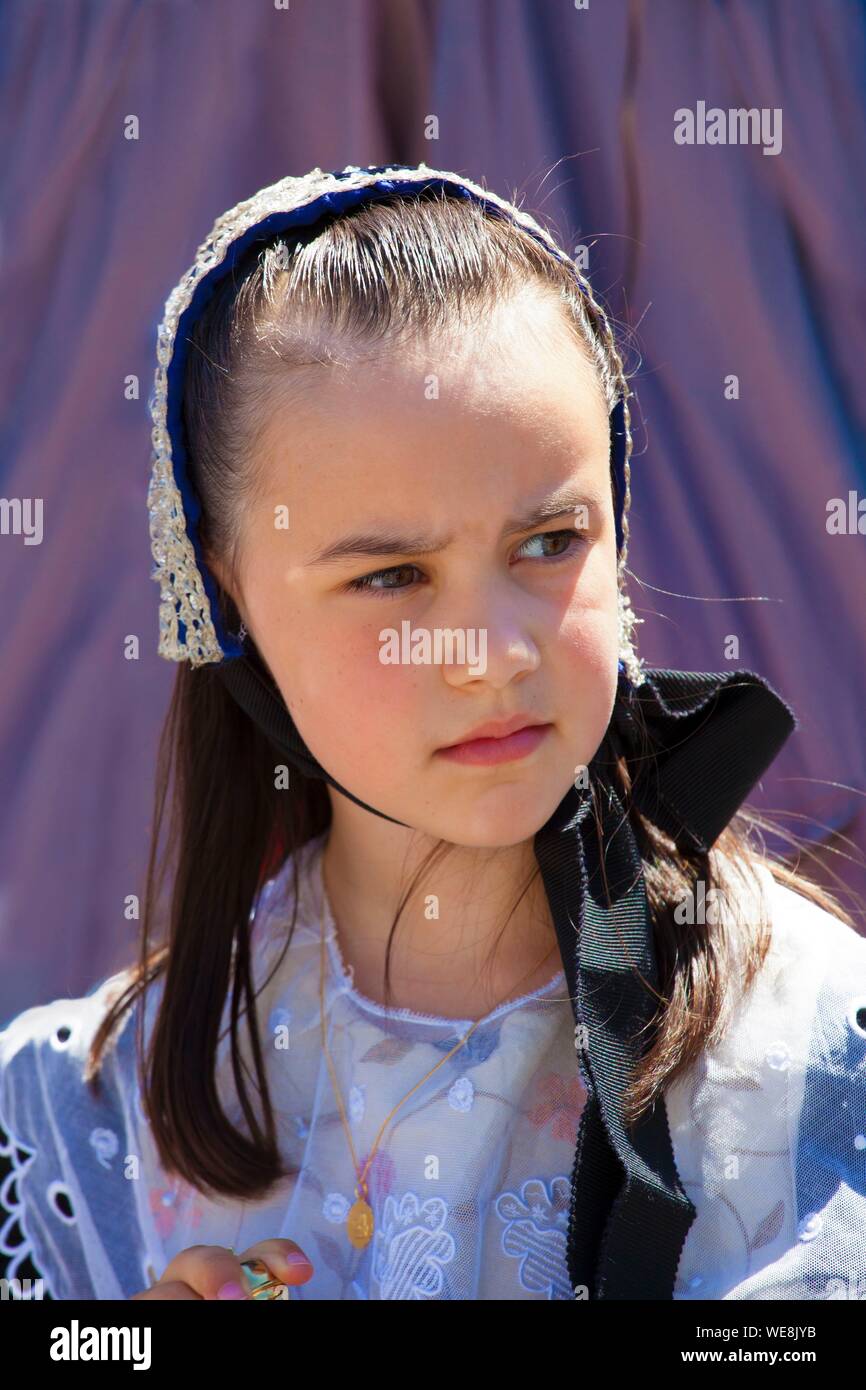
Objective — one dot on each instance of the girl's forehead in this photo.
(376, 413)
(387, 448)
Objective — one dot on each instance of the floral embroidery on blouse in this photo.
(380, 1174)
(335, 1208)
(477, 1048)
(535, 1234)
(461, 1094)
(412, 1246)
(560, 1103)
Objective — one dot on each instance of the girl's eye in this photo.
(366, 584)
(576, 538)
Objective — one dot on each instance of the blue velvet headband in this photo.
(190, 623)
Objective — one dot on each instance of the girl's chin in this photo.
(499, 819)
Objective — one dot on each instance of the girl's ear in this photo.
(216, 570)
(229, 605)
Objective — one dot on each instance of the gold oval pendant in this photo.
(360, 1224)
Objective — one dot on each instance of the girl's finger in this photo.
(173, 1289)
(212, 1271)
(286, 1260)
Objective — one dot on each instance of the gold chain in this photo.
(361, 1228)
(360, 1217)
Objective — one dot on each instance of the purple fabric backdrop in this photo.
(723, 259)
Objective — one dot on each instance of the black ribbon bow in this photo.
(711, 737)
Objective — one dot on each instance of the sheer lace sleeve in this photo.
(769, 1127)
(16, 1262)
(69, 1209)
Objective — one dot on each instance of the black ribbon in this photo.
(709, 738)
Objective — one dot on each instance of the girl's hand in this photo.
(212, 1271)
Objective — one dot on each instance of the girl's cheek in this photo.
(350, 688)
(589, 638)
(367, 654)
(392, 687)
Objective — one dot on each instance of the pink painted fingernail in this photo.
(295, 1257)
(232, 1289)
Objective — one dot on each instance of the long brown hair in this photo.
(402, 265)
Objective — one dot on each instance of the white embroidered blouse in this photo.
(470, 1183)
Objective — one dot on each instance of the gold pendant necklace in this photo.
(360, 1222)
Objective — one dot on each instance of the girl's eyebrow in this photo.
(378, 543)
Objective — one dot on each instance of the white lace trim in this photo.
(14, 1211)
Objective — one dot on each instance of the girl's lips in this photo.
(486, 751)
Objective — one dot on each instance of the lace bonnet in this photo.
(190, 625)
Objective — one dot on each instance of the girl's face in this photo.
(398, 498)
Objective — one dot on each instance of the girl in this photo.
(614, 1050)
